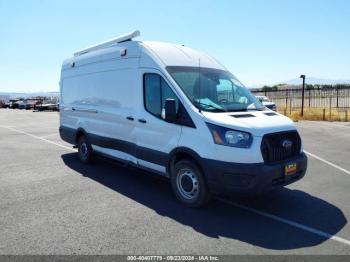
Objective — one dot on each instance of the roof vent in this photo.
(270, 114)
(113, 41)
(243, 115)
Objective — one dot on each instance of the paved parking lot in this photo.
(52, 204)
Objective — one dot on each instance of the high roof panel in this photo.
(178, 55)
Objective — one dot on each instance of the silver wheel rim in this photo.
(187, 184)
(83, 150)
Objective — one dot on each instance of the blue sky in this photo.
(261, 41)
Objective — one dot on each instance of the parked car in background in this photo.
(13, 103)
(267, 102)
(46, 105)
(20, 104)
(26, 105)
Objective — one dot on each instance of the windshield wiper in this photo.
(210, 106)
(244, 109)
(256, 109)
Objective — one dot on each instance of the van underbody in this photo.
(224, 178)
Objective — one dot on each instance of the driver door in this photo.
(155, 137)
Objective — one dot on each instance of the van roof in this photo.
(180, 55)
(108, 43)
(169, 54)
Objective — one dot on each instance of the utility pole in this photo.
(302, 95)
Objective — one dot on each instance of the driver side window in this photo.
(156, 91)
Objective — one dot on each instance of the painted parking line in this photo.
(331, 124)
(53, 134)
(38, 137)
(334, 124)
(288, 222)
(243, 207)
(327, 162)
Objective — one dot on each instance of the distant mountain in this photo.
(27, 95)
(308, 80)
(316, 81)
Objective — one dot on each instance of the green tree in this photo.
(309, 86)
(268, 88)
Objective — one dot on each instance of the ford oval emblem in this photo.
(286, 144)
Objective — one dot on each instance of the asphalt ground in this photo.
(50, 203)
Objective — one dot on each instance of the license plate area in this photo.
(290, 169)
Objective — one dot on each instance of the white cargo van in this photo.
(177, 112)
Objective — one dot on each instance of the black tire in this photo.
(85, 151)
(189, 185)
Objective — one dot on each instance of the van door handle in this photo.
(141, 120)
(130, 118)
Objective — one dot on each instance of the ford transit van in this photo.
(177, 112)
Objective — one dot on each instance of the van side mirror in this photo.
(169, 111)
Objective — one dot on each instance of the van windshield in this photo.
(214, 90)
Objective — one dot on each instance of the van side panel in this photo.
(98, 98)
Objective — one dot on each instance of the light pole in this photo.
(302, 95)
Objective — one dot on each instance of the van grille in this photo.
(281, 146)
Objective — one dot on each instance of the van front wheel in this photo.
(189, 185)
(85, 152)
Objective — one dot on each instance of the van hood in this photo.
(258, 123)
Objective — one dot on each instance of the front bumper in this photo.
(250, 179)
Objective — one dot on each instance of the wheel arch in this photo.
(180, 153)
(80, 131)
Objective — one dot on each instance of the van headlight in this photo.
(228, 137)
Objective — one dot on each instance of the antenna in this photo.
(116, 40)
(199, 85)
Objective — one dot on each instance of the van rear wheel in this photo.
(85, 152)
(189, 185)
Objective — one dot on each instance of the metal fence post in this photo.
(286, 98)
(330, 108)
(346, 115)
(309, 98)
(337, 96)
(324, 114)
(302, 95)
